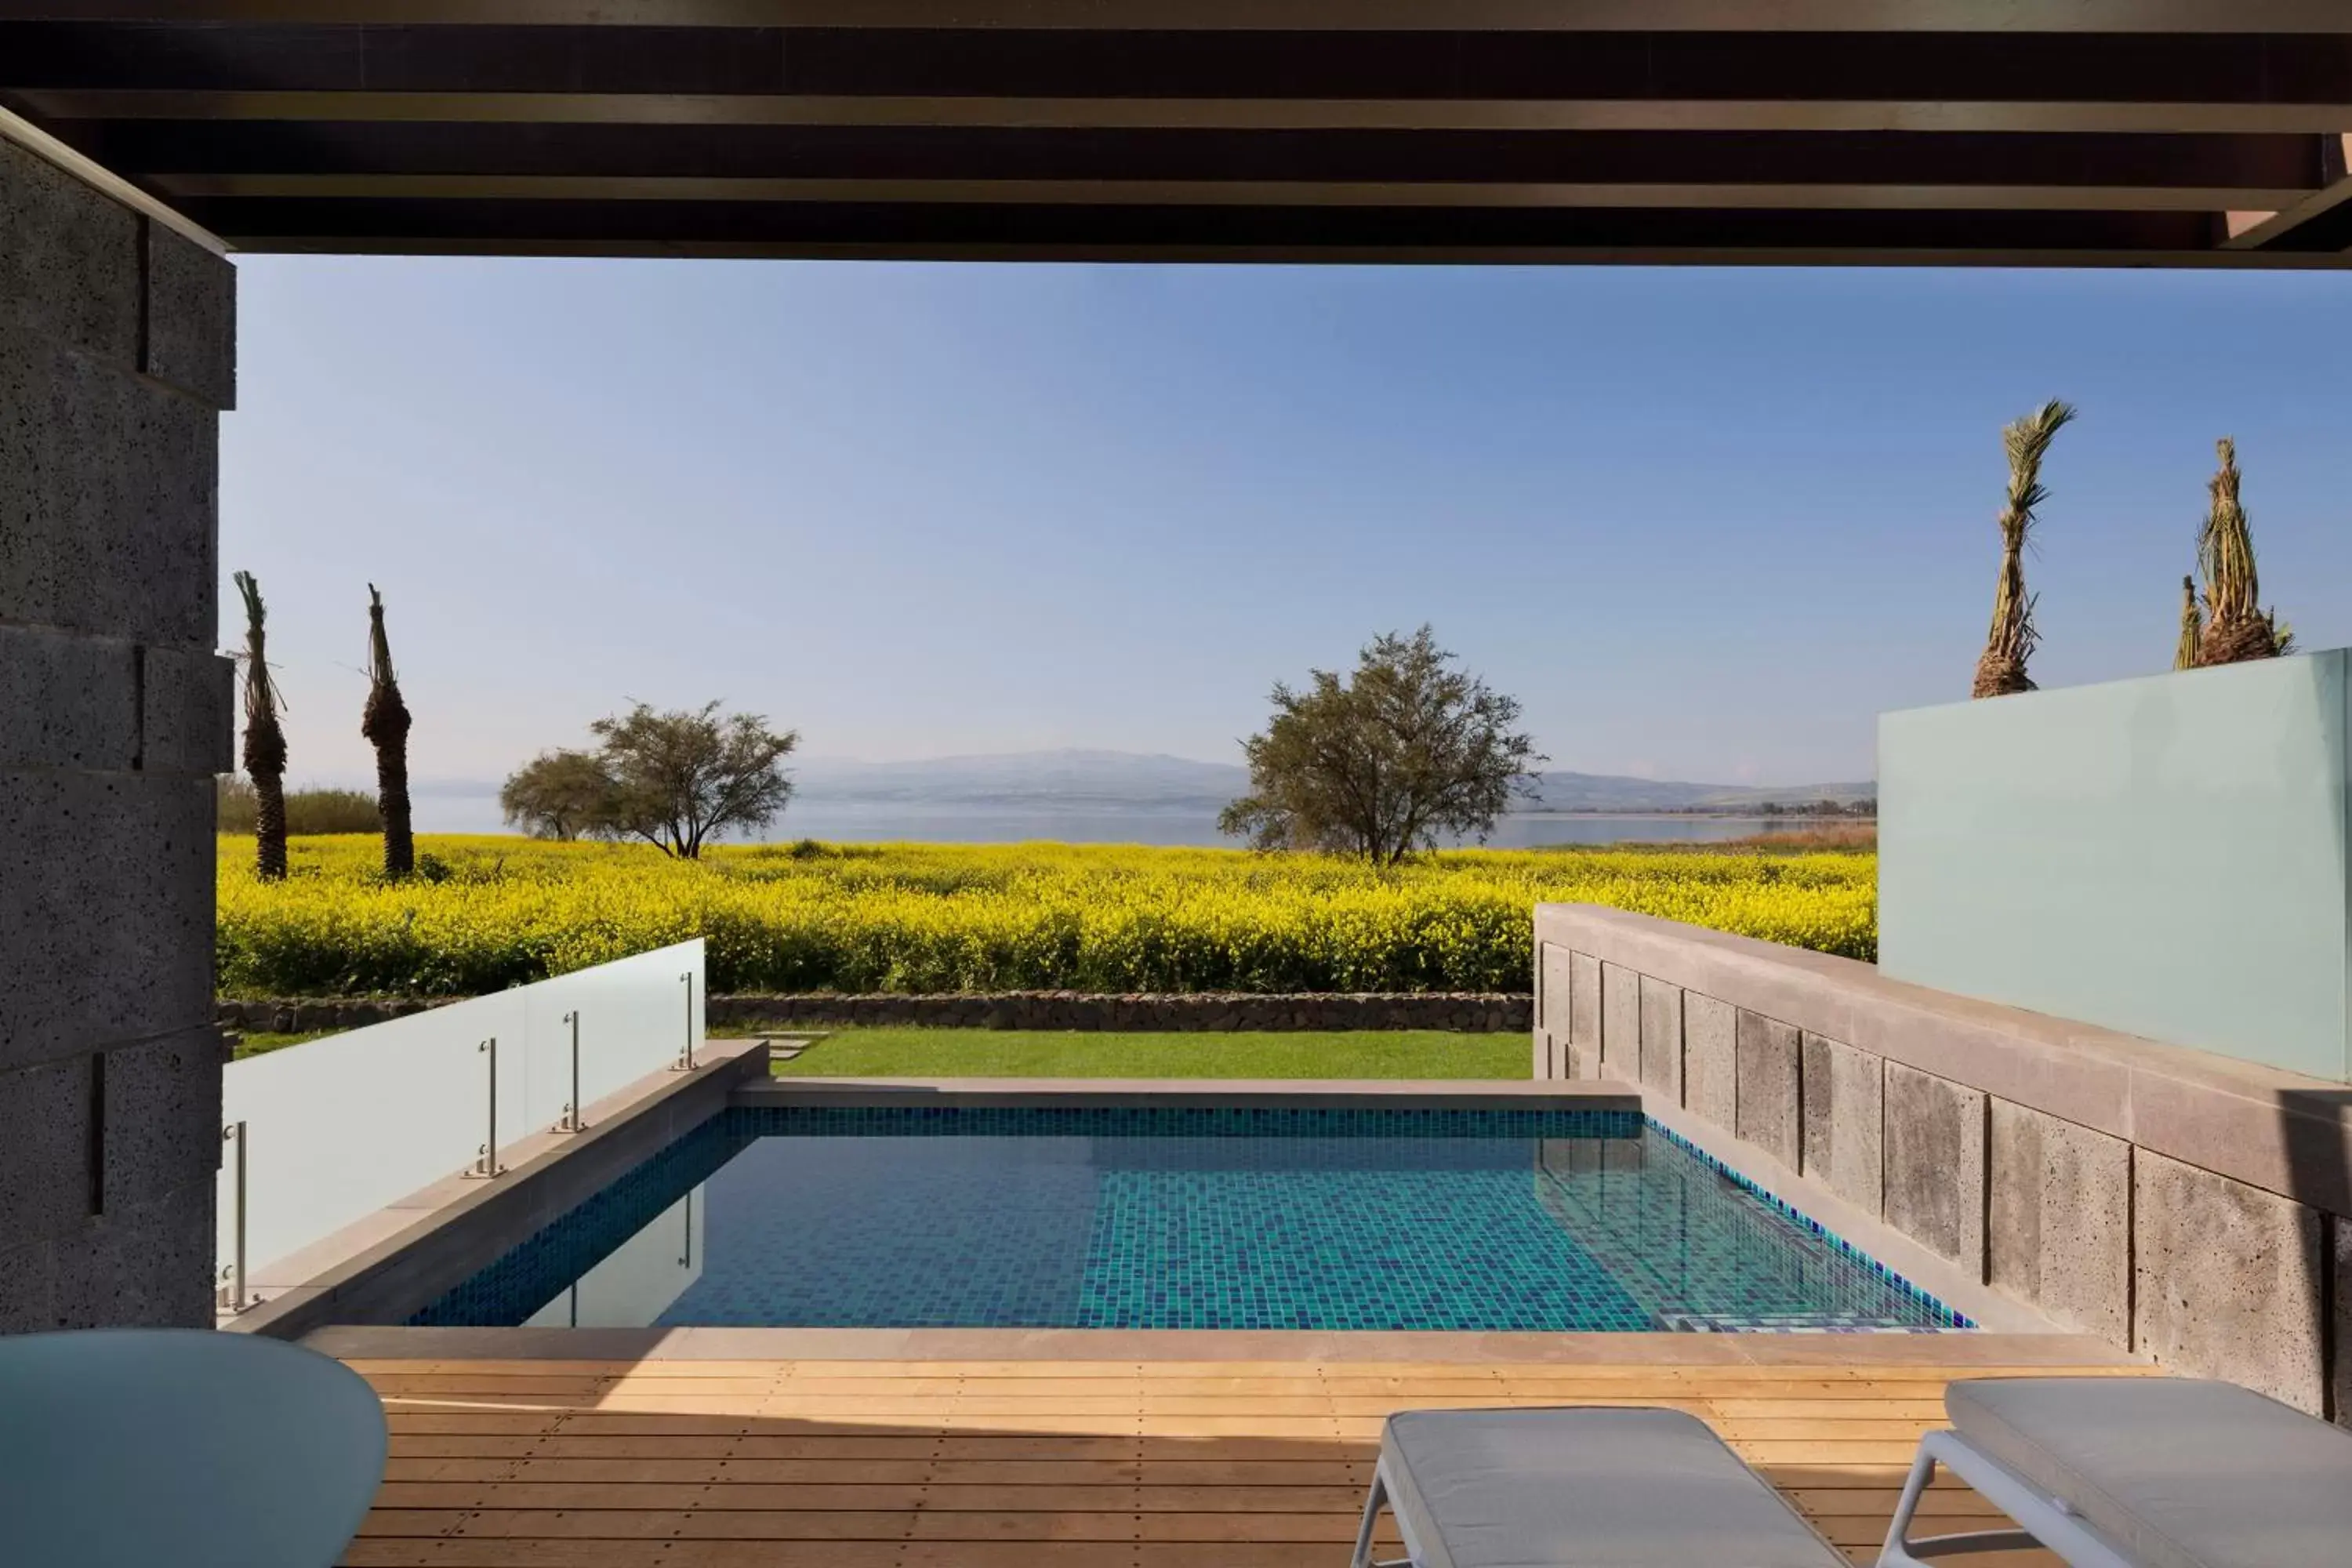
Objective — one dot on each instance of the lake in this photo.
(869, 822)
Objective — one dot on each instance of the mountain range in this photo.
(1130, 780)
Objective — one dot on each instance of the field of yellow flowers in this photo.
(493, 912)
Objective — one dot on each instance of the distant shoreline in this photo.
(1165, 823)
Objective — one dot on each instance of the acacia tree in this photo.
(679, 777)
(385, 722)
(265, 742)
(2236, 626)
(2000, 669)
(560, 795)
(1381, 765)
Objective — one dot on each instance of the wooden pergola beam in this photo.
(2317, 221)
(2091, 16)
(2048, 131)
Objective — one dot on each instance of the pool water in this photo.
(1146, 1218)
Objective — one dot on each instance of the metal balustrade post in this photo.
(685, 1062)
(572, 1122)
(232, 1296)
(488, 1166)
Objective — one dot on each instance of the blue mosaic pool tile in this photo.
(1205, 1217)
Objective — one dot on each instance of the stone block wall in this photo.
(117, 355)
(2186, 1206)
(2058, 1219)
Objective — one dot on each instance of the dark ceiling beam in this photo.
(1203, 193)
(2207, 17)
(2323, 234)
(2250, 71)
(1203, 114)
(1186, 194)
(1433, 252)
(2320, 221)
(1495, 233)
(2269, 171)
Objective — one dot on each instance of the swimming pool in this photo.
(1138, 1218)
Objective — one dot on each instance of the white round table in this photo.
(134, 1447)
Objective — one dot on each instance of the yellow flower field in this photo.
(494, 911)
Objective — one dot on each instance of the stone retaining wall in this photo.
(1473, 1013)
(2171, 1202)
(118, 354)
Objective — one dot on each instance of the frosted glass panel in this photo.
(2170, 857)
(636, 1016)
(341, 1127)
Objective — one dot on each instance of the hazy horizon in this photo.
(798, 764)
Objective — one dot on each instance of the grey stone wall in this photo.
(1554, 1054)
(1934, 1156)
(1661, 1037)
(1620, 1022)
(117, 353)
(2178, 1205)
(1496, 1012)
(2058, 1221)
(1767, 1086)
(2227, 1280)
(1844, 1115)
(1711, 1059)
(1583, 1016)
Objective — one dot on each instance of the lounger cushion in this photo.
(1588, 1487)
(2178, 1473)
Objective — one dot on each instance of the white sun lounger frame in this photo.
(2044, 1521)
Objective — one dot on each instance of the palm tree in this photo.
(264, 743)
(2000, 671)
(2236, 627)
(2191, 626)
(385, 725)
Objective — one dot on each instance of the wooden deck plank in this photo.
(1036, 1464)
(857, 1497)
(1016, 1523)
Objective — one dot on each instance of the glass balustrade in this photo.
(324, 1134)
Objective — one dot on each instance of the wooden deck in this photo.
(1038, 1463)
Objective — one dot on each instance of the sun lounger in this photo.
(1585, 1488)
(2140, 1472)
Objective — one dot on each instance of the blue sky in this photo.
(1704, 523)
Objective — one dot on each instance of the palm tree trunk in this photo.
(2001, 669)
(264, 743)
(2235, 626)
(2010, 639)
(385, 725)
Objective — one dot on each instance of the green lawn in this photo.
(1040, 1053)
(254, 1045)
